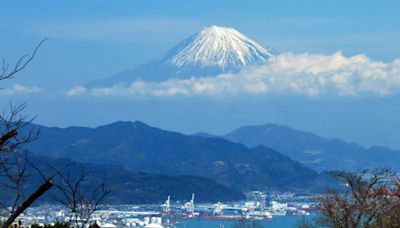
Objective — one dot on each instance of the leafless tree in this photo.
(14, 171)
(81, 199)
(373, 200)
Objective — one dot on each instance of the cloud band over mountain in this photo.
(18, 89)
(287, 73)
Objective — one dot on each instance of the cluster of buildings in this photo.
(258, 206)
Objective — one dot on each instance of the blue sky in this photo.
(90, 40)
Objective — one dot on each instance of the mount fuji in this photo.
(211, 51)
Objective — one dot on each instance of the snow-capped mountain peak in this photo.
(212, 51)
(221, 47)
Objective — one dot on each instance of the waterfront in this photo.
(290, 209)
(277, 209)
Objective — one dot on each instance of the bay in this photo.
(276, 222)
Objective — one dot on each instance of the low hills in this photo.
(137, 147)
(314, 151)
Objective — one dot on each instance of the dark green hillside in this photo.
(139, 147)
(134, 187)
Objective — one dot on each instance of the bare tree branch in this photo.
(14, 165)
(31, 199)
(373, 200)
(82, 200)
(22, 62)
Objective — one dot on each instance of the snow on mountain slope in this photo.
(212, 51)
(218, 47)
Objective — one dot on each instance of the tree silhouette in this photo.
(372, 199)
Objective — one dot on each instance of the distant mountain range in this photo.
(212, 51)
(138, 147)
(314, 151)
(145, 164)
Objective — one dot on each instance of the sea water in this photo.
(276, 222)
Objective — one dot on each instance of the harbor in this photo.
(258, 207)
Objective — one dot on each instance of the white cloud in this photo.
(74, 91)
(288, 73)
(19, 89)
